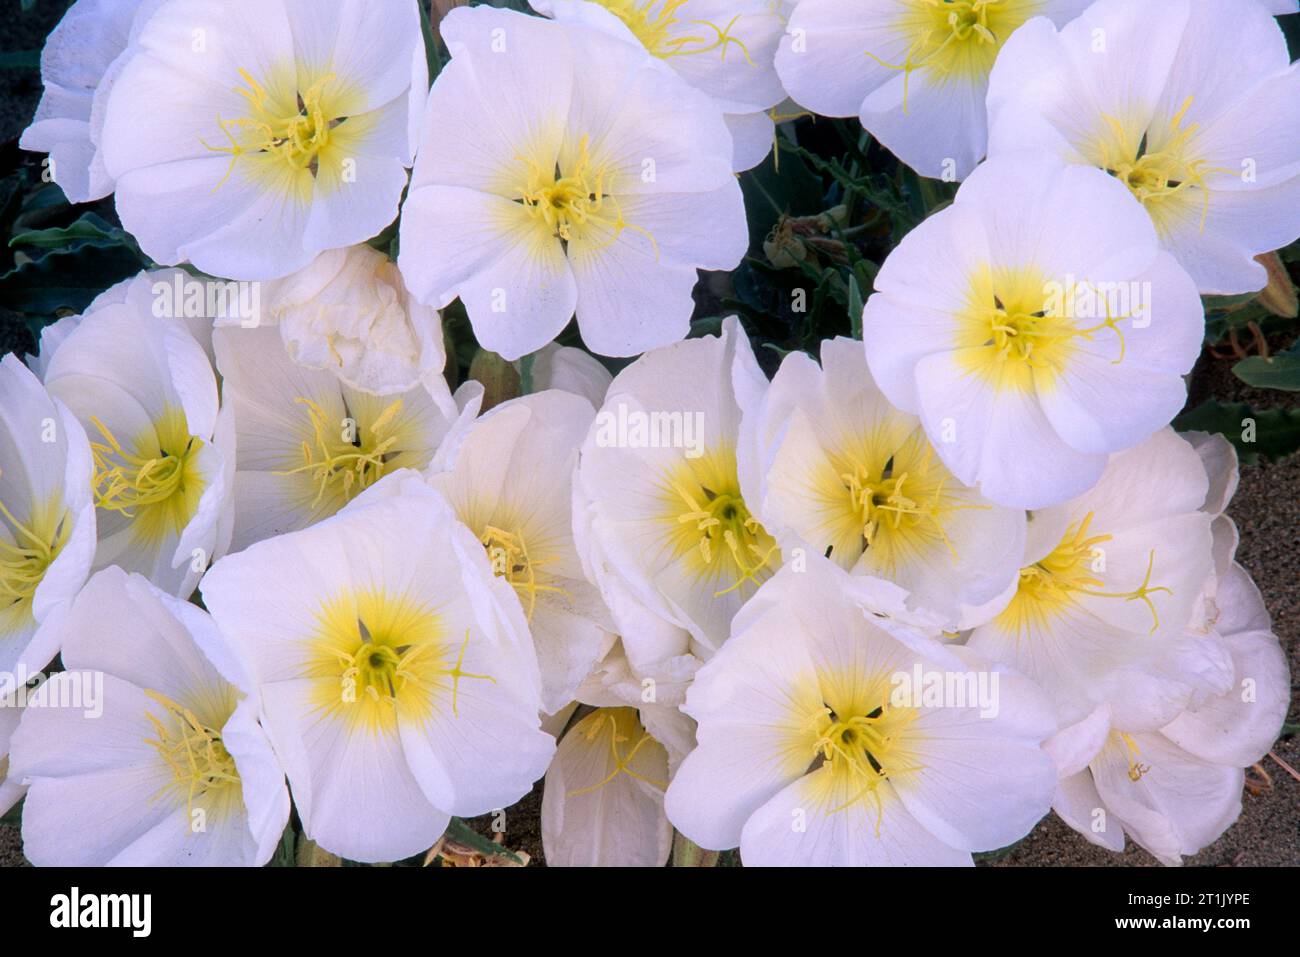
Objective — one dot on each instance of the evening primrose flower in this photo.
(349, 312)
(1175, 790)
(659, 514)
(396, 670)
(914, 71)
(167, 765)
(510, 481)
(78, 63)
(810, 755)
(843, 474)
(1109, 584)
(1203, 134)
(603, 803)
(1035, 326)
(725, 50)
(249, 136)
(307, 443)
(562, 169)
(47, 516)
(144, 390)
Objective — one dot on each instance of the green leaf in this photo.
(66, 278)
(462, 833)
(284, 855)
(1258, 435)
(1278, 371)
(855, 307)
(89, 229)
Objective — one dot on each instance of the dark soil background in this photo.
(1266, 509)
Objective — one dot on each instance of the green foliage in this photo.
(1258, 435)
(1278, 371)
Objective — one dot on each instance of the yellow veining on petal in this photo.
(203, 772)
(524, 568)
(709, 527)
(656, 24)
(863, 739)
(1052, 586)
(626, 736)
(1160, 165)
(954, 40)
(295, 133)
(379, 656)
(886, 499)
(576, 202)
(27, 550)
(1017, 331)
(345, 456)
(154, 482)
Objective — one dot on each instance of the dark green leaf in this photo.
(1268, 434)
(66, 278)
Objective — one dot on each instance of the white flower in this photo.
(809, 755)
(80, 58)
(603, 804)
(563, 169)
(914, 71)
(1177, 789)
(571, 370)
(723, 49)
(1191, 104)
(1110, 582)
(306, 442)
(144, 390)
(141, 753)
(248, 136)
(1035, 326)
(843, 474)
(510, 481)
(47, 516)
(349, 312)
(659, 516)
(396, 671)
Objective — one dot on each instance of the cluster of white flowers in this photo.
(890, 607)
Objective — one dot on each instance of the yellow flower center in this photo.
(157, 484)
(577, 203)
(622, 729)
(294, 136)
(377, 656)
(956, 39)
(900, 505)
(863, 747)
(655, 24)
(511, 560)
(28, 549)
(1069, 572)
(342, 459)
(1159, 166)
(203, 772)
(714, 530)
(1016, 334)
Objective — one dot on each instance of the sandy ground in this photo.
(1266, 509)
